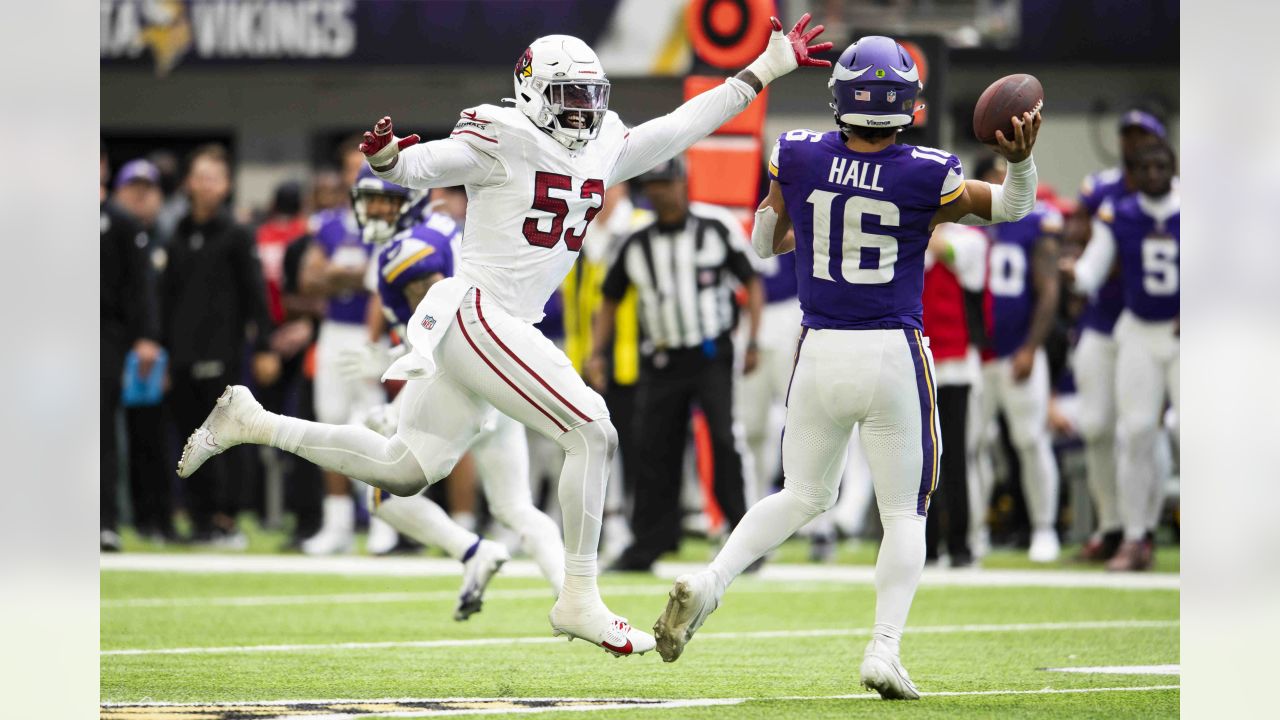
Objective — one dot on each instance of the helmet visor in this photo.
(590, 95)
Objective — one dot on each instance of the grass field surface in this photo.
(337, 644)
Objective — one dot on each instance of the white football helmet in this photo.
(561, 86)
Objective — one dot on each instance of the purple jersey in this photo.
(1101, 311)
(862, 225)
(1010, 297)
(1148, 250)
(338, 235)
(421, 251)
(779, 278)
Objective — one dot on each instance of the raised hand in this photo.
(785, 53)
(800, 40)
(1019, 147)
(381, 146)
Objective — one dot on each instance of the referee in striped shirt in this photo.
(686, 267)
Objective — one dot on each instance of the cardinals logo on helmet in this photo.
(524, 66)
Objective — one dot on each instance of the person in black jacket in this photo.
(214, 301)
(128, 321)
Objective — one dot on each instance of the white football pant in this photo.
(1094, 367)
(1147, 367)
(1026, 409)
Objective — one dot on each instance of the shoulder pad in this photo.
(1107, 211)
(482, 126)
(1051, 221)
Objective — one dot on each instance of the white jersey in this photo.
(530, 199)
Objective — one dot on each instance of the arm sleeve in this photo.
(444, 163)
(616, 281)
(252, 288)
(1095, 262)
(662, 138)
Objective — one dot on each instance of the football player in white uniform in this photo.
(535, 176)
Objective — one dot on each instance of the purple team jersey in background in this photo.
(338, 235)
(865, 216)
(1148, 251)
(1010, 288)
(418, 252)
(1101, 311)
(780, 278)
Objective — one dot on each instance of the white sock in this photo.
(579, 586)
(338, 514)
(765, 526)
(898, 569)
(351, 450)
(1040, 483)
(426, 522)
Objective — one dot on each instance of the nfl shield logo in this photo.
(428, 322)
(893, 95)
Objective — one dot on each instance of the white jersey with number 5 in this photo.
(530, 199)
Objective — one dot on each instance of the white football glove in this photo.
(785, 53)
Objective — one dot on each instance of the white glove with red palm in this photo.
(382, 147)
(785, 53)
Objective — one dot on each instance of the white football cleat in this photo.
(1044, 546)
(229, 424)
(477, 571)
(598, 626)
(882, 671)
(692, 599)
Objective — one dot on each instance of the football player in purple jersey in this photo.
(1141, 233)
(863, 208)
(1094, 357)
(1020, 303)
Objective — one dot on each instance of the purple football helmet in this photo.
(376, 230)
(874, 84)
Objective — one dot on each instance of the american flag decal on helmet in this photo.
(428, 322)
(861, 94)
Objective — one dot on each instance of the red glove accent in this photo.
(382, 136)
(800, 40)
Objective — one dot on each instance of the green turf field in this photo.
(774, 649)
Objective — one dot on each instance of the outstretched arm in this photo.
(662, 138)
(982, 203)
(439, 163)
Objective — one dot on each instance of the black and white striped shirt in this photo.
(685, 277)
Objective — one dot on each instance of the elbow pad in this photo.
(762, 231)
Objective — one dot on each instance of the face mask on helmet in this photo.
(560, 86)
(874, 84)
(378, 205)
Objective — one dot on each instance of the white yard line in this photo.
(502, 705)
(780, 572)
(1122, 670)
(755, 634)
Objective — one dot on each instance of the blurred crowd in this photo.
(195, 298)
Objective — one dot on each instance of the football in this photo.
(1003, 99)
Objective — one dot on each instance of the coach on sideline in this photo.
(686, 266)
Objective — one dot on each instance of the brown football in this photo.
(1003, 99)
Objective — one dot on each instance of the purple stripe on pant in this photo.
(924, 388)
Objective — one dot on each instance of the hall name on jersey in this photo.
(847, 171)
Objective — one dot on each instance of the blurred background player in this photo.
(214, 303)
(1094, 357)
(129, 323)
(685, 266)
(862, 357)
(1020, 305)
(1141, 232)
(137, 192)
(334, 267)
(955, 273)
